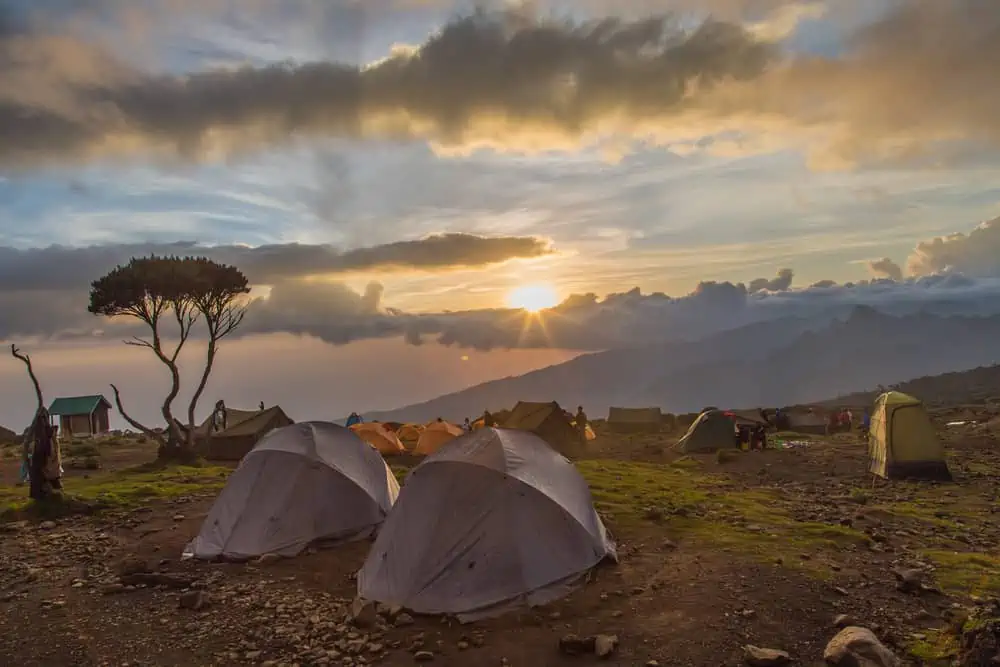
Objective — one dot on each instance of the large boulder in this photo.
(858, 647)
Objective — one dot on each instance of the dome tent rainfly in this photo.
(302, 483)
(435, 435)
(902, 442)
(710, 432)
(380, 437)
(492, 520)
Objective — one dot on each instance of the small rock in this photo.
(268, 559)
(910, 581)
(755, 656)
(47, 525)
(423, 656)
(403, 620)
(843, 621)
(855, 646)
(575, 645)
(179, 517)
(605, 645)
(193, 600)
(363, 613)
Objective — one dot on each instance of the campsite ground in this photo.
(716, 552)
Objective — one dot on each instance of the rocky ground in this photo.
(760, 559)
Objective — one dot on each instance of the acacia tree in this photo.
(160, 291)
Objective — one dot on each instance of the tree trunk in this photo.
(176, 447)
(209, 362)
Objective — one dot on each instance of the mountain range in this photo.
(773, 363)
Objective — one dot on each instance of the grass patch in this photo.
(81, 449)
(937, 648)
(711, 509)
(966, 573)
(124, 488)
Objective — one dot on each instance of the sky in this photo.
(397, 178)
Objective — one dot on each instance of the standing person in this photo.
(866, 423)
(467, 426)
(581, 422)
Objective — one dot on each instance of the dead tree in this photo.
(26, 359)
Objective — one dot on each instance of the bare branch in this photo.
(133, 423)
(138, 342)
(16, 353)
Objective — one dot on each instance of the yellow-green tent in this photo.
(902, 442)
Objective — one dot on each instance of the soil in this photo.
(677, 597)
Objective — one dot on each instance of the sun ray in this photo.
(533, 298)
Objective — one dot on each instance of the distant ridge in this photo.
(6, 435)
(775, 363)
(976, 386)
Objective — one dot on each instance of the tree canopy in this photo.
(183, 290)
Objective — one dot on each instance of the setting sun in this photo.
(532, 298)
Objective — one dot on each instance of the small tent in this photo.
(301, 484)
(811, 421)
(434, 435)
(548, 421)
(634, 420)
(244, 428)
(379, 437)
(492, 520)
(902, 442)
(410, 432)
(710, 432)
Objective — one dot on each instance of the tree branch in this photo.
(138, 342)
(16, 353)
(133, 423)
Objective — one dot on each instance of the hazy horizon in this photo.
(400, 181)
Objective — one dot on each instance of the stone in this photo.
(605, 645)
(576, 645)
(268, 559)
(754, 656)
(403, 619)
(423, 656)
(193, 600)
(47, 525)
(843, 621)
(363, 613)
(910, 581)
(858, 647)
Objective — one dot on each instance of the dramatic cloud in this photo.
(59, 267)
(885, 268)
(779, 283)
(975, 254)
(918, 84)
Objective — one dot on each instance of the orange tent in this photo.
(379, 437)
(410, 432)
(436, 434)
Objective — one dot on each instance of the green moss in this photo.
(935, 649)
(125, 488)
(966, 573)
(685, 463)
(711, 509)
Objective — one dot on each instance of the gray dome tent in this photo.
(711, 431)
(302, 483)
(493, 519)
